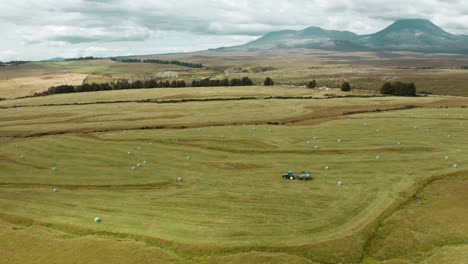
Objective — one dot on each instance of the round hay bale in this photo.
(446, 157)
(97, 220)
(179, 179)
(17, 145)
(145, 162)
(377, 157)
(138, 165)
(133, 168)
(316, 147)
(129, 153)
(315, 138)
(139, 148)
(188, 158)
(339, 141)
(308, 142)
(398, 143)
(55, 190)
(340, 183)
(21, 157)
(449, 136)
(54, 168)
(327, 168)
(455, 166)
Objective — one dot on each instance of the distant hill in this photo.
(418, 35)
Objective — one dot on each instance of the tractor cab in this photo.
(288, 175)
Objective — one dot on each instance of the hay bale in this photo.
(55, 190)
(54, 168)
(455, 166)
(316, 147)
(308, 142)
(398, 143)
(188, 158)
(21, 157)
(133, 168)
(315, 138)
(377, 157)
(129, 153)
(179, 179)
(145, 162)
(17, 145)
(139, 148)
(339, 141)
(138, 165)
(446, 157)
(327, 168)
(97, 220)
(340, 183)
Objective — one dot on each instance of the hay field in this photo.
(232, 205)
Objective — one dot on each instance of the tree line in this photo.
(117, 85)
(174, 62)
(84, 58)
(142, 84)
(224, 82)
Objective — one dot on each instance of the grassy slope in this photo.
(232, 200)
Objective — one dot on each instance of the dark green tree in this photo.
(268, 81)
(346, 87)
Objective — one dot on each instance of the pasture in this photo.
(113, 156)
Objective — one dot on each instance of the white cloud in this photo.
(36, 29)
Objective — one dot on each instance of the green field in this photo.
(407, 206)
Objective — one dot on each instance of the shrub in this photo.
(268, 81)
(312, 84)
(346, 87)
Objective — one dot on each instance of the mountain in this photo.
(417, 35)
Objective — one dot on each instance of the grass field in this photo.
(438, 73)
(232, 205)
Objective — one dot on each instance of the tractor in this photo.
(289, 175)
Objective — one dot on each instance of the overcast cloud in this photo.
(33, 30)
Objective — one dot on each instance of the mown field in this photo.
(402, 162)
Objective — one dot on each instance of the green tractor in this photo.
(304, 175)
(289, 175)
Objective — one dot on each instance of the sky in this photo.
(42, 29)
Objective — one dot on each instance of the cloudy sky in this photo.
(41, 29)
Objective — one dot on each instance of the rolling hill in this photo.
(418, 35)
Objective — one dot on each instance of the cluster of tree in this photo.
(174, 62)
(118, 85)
(127, 60)
(399, 89)
(14, 63)
(268, 81)
(312, 84)
(346, 87)
(83, 58)
(225, 82)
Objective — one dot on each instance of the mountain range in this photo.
(417, 35)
